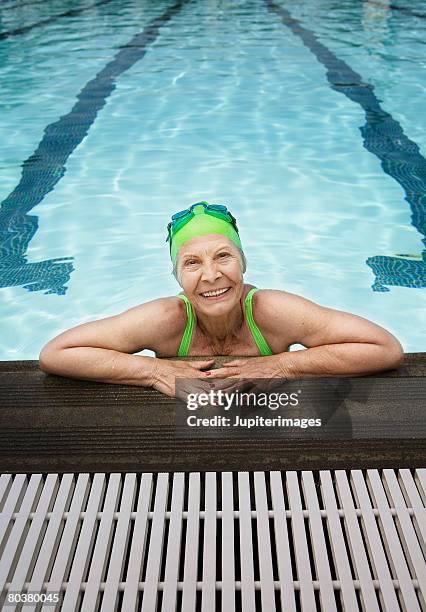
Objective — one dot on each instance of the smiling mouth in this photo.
(216, 293)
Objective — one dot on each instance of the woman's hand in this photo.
(256, 367)
(166, 372)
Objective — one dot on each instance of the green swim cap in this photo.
(198, 220)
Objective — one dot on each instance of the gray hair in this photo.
(242, 257)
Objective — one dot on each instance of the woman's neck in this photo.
(224, 328)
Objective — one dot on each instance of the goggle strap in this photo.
(219, 211)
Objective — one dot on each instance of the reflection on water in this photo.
(375, 19)
(384, 137)
(16, 231)
(399, 270)
(46, 166)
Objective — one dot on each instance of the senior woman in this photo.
(218, 314)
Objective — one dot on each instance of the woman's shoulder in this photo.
(268, 298)
(169, 311)
(274, 308)
(158, 322)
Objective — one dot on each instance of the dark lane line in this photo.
(46, 166)
(38, 24)
(383, 136)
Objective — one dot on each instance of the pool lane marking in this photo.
(46, 166)
(382, 134)
(38, 24)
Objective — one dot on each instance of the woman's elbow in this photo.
(393, 354)
(43, 360)
(49, 356)
(398, 356)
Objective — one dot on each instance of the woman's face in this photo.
(208, 264)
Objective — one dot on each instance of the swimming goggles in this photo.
(182, 217)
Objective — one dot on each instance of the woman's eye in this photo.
(191, 262)
(221, 255)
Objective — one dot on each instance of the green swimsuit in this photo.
(255, 331)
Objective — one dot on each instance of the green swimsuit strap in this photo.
(261, 343)
(189, 329)
(255, 331)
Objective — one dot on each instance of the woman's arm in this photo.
(338, 343)
(101, 350)
(343, 359)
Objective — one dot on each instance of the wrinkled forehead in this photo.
(206, 245)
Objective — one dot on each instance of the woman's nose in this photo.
(210, 272)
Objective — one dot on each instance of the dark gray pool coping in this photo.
(54, 424)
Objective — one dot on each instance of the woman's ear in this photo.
(175, 274)
(243, 261)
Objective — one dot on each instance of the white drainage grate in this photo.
(285, 541)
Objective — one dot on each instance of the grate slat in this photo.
(356, 541)
(338, 547)
(191, 546)
(300, 543)
(31, 546)
(208, 599)
(51, 538)
(4, 484)
(409, 540)
(419, 510)
(16, 492)
(356, 544)
(319, 547)
(376, 550)
(121, 541)
(228, 562)
(421, 480)
(69, 536)
(282, 544)
(246, 543)
(9, 555)
(84, 544)
(392, 542)
(174, 543)
(150, 591)
(264, 540)
(138, 545)
(103, 543)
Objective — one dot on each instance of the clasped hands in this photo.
(257, 374)
(253, 368)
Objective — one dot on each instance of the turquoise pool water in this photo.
(307, 119)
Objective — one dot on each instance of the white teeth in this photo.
(214, 293)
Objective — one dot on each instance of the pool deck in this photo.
(53, 424)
